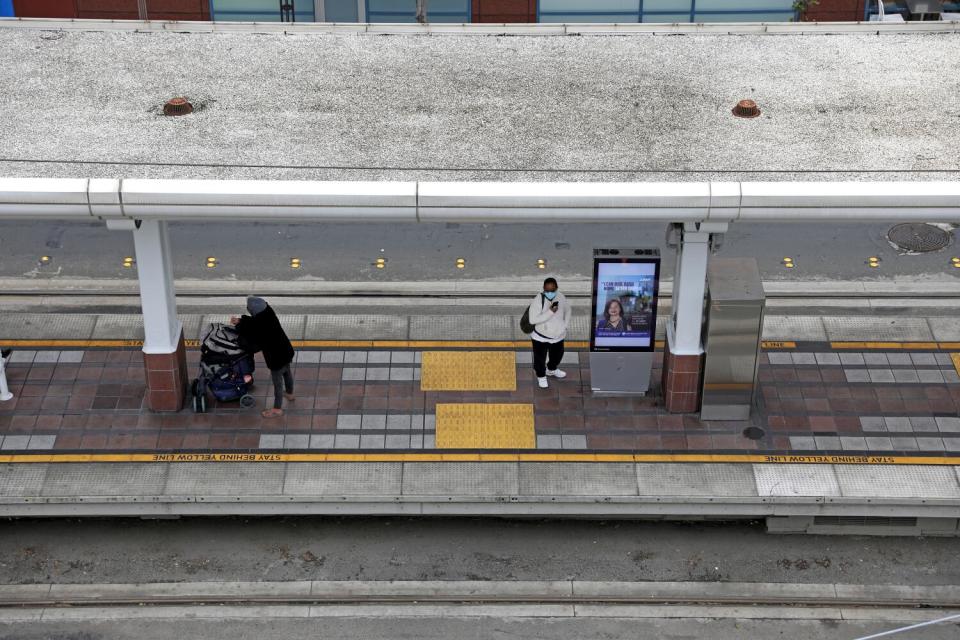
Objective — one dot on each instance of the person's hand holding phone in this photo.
(555, 306)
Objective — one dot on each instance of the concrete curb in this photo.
(575, 591)
(490, 288)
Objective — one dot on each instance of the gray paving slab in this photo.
(402, 357)
(308, 357)
(460, 327)
(904, 443)
(343, 479)
(881, 375)
(372, 440)
(875, 359)
(47, 326)
(271, 440)
(416, 441)
(696, 479)
(948, 424)
(852, 359)
(331, 357)
(943, 359)
(806, 328)
(899, 359)
(853, 443)
(15, 442)
(578, 479)
(22, 479)
(549, 441)
(296, 441)
(353, 374)
(354, 357)
(901, 424)
(827, 443)
(930, 376)
(371, 421)
(72, 356)
(857, 375)
(945, 329)
(461, 478)
(907, 375)
(401, 374)
(399, 421)
(322, 440)
(46, 357)
(796, 480)
(355, 327)
(921, 423)
(924, 359)
(346, 441)
(573, 441)
(22, 356)
(117, 326)
(828, 359)
(900, 481)
(882, 329)
(429, 441)
(927, 443)
(378, 374)
(803, 443)
(780, 358)
(879, 443)
(378, 357)
(397, 441)
(224, 479)
(39, 442)
(872, 423)
(951, 377)
(524, 357)
(105, 479)
(349, 421)
(803, 358)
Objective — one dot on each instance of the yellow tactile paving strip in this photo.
(956, 361)
(468, 371)
(485, 426)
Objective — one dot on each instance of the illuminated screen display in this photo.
(624, 304)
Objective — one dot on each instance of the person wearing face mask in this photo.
(549, 314)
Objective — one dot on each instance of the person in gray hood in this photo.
(262, 329)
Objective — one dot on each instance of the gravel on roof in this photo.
(355, 107)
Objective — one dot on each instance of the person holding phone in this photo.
(550, 315)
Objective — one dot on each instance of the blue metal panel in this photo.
(745, 10)
(6, 8)
(440, 11)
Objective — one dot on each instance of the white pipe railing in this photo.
(507, 202)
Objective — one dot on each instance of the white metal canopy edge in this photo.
(506, 202)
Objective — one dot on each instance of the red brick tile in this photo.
(822, 423)
(48, 423)
(570, 422)
(374, 404)
(547, 422)
(54, 403)
(73, 422)
(89, 374)
(297, 422)
(65, 372)
(67, 441)
(196, 441)
(221, 441)
(145, 441)
(21, 424)
(847, 424)
(94, 441)
(120, 441)
(80, 403)
(598, 441)
(817, 404)
(698, 442)
(673, 442)
(168, 441)
(647, 442)
(326, 422)
(28, 404)
(776, 423)
(246, 441)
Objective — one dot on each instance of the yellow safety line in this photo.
(956, 361)
(893, 345)
(773, 344)
(476, 457)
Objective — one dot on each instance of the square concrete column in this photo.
(683, 354)
(164, 355)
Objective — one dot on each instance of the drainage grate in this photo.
(864, 521)
(754, 433)
(919, 237)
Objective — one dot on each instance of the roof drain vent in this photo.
(746, 109)
(177, 107)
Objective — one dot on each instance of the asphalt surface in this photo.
(429, 251)
(196, 550)
(464, 628)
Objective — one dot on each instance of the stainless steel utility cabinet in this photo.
(733, 325)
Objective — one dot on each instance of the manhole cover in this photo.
(919, 237)
(754, 433)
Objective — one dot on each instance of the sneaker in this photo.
(542, 383)
(557, 373)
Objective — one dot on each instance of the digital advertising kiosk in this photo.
(623, 323)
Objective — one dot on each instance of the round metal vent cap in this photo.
(177, 107)
(746, 109)
(919, 237)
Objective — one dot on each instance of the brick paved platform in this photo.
(812, 399)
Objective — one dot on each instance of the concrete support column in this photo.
(164, 356)
(683, 355)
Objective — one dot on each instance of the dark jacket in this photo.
(264, 331)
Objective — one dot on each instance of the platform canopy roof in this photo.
(347, 106)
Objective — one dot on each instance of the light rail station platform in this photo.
(842, 427)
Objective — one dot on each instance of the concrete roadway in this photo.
(429, 251)
(129, 551)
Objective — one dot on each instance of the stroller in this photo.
(226, 369)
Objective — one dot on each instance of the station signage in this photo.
(624, 303)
